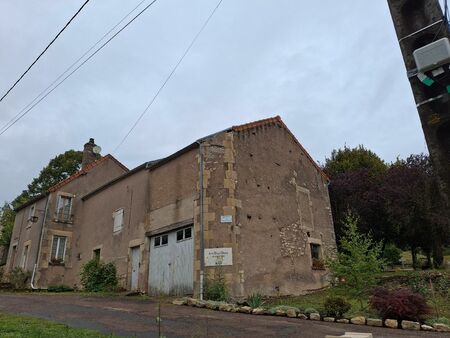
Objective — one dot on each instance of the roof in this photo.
(278, 121)
(85, 170)
(31, 201)
(150, 165)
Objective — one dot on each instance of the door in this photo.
(135, 262)
(171, 263)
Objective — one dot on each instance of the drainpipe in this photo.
(202, 244)
(40, 244)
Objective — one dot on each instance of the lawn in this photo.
(416, 280)
(12, 326)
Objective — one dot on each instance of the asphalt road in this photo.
(137, 318)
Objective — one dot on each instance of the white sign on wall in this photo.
(218, 256)
(226, 219)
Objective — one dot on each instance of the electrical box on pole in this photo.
(424, 38)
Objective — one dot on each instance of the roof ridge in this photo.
(277, 120)
(85, 170)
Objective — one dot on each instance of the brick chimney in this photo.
(88, 153)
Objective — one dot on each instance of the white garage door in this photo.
(171, 262)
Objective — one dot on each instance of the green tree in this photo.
(59, 168)
(356, 177)
(352, 159)
(356, 268)
(6, 224)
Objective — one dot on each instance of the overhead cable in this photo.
(43, 52)
(169, 76)
(72, 65)
(78, 67)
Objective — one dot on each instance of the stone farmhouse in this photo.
(250, 197)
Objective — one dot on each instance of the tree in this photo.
(414, 207)
(59, 168)
(6, 224)
(356, 177)
(353, 159)
(358, 263)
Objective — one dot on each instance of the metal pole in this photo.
(202, 244)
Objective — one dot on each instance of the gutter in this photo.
(33, 286)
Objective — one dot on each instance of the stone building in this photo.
(250, 197)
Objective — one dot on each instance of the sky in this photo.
(332, 70)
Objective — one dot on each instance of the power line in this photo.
(72, 65)
(78, 67)
(45, 49)
(169, 76)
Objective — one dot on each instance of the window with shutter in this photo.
(118, 220)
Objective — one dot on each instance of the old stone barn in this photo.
(250, 197)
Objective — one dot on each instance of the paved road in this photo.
(136, 318)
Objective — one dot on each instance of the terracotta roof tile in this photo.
(278, 121)
(86, 169)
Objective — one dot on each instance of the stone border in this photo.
(292, 313)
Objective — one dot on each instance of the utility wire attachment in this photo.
(45, 49)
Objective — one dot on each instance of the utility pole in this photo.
(419, 23)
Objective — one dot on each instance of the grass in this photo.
(12, 326)
(440, 304)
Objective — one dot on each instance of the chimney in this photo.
(88, 153)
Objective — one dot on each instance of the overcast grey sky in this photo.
(331, 69)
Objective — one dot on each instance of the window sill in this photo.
(318, 268)
(56, 263)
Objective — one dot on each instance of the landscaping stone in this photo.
(259, 311)
(226, 307)
(360, 320)
(314, 316)
(200, 303)
(374, 322)
(245, 309)
(408, 325)
(280, 312)
(441, 327)
(392, 323)
(291, 313)
(328, 319)
(302, 316)
(426, 327)
(191, 301)
(212, 305)
(342, 321)
(179, 302)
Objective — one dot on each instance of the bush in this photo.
(216, 290)
(19, 278)
(255, 300)
(336, 307)
(392, 255)
(59, 288)
(399, 304)
(98, 276)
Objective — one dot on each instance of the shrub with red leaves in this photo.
(399, 304)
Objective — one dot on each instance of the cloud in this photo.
(333, 72)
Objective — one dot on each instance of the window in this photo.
(315, 251)
(161, 240)
(64, 208)
(184, 234)
(96, 254)
(31, 212)
(23, 262)
(58, 249)
(118, 220)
